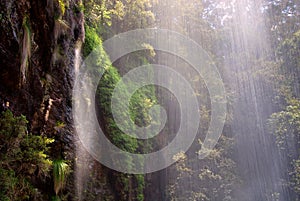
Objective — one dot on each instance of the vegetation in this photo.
(23, 156)
(124, 184)
(285, 124)
(26, 49)
(60, 172)
(92, 41)
(62, 7)
(256, 48)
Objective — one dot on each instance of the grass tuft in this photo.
(26, 49)
(60, 172)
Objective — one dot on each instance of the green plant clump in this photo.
(92, 41)
(140, 103)
(62, 7)
(60, 172)
(26, 49)
(23, 156)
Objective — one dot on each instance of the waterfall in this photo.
(246, 164)
(258, 160)
(77, 57)
(80, 166)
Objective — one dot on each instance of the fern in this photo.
(26, 49)
(60, 172)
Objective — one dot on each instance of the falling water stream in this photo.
(258, 160)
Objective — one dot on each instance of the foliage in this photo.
(13, 187)
(59, 125)
(110, 17)
(99, 13)
(213, 179)
(123, 183)
(282, 19)
(92, 41)
(55, 198)
(288, 52)
(142, 100)
(60, 172)
(106, 86)
(22, 157)
(62, 7)
(286, 124)
(140, 180)
(120, 139)
(78, 8)
(26, 49)
(135, 14)
(295, 174)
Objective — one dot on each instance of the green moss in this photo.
(106, 87)
(92, 41)
(140, 104)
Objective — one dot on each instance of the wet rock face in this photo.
(47, 81)
(38, 40)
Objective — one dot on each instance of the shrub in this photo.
(22, 157)
(92, 41)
